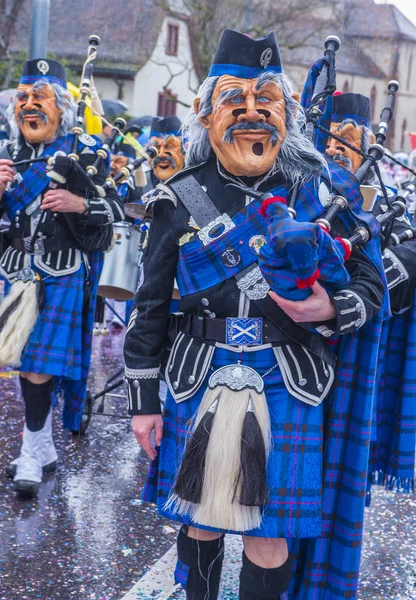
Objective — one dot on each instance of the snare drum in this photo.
(120, 275)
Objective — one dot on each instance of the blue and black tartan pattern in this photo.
(393, 441)
(35, 180)
(321, 138)
(295, 463)
(307, 251)
(327, 568)
(74, 391)
(181, 573)
(200, 267)
(60, 343)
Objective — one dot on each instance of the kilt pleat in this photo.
(295, 462)
(55, 345)
(392, 451)
(327, 568)
(60, 344)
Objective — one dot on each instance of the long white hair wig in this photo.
(297, 158)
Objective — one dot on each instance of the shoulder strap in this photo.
(195, 199)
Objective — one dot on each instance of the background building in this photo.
(150, 54)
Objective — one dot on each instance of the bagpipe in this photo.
(297, 254)
(397, 206)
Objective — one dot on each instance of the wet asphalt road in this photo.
(88, 536)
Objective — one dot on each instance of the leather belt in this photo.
(42, 246)
(215, 330)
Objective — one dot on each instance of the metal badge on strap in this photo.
(213, 224)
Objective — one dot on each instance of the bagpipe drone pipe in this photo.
(397, 206)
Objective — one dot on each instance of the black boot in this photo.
(257, 583)
(199, 566)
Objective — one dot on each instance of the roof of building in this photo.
(128, 30)
(367, 19)
(350, 58)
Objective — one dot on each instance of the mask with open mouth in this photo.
(247, 125)
(170, 156)
(36, 113)
(353, 134)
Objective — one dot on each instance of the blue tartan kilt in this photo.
(295, 462)
(392, 451)
(55, 345)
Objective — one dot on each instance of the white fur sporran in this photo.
(18, 315)
(220, 502)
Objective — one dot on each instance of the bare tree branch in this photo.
(296, 22)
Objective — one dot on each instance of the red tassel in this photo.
(346, 247)
(308, 281)
(269, 201)
(322, 226)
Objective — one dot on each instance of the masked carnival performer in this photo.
(122, 154)
(56, 237)
(120, 157)
(240, 446)
(392, 455)
(166, 137)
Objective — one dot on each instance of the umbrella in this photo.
(145, 121)
(113, 108)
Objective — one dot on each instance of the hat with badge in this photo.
(43, 68)
(351, 106)
(241, 56)
(165, 127)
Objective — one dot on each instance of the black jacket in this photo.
(170, 226)
(80, 232)
(399, 262)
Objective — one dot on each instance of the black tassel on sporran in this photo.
(190, 479)
(252, 481)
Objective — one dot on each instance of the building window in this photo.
(409, 71)
(373, 98)
(404, 132)
(166, 105)
(346, 87)
(172, 40)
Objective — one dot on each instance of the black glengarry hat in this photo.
(241, 56)
(351, 106)
(124, 149)
(43, 68)
(165, 127)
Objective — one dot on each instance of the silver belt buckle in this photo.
(244, 331)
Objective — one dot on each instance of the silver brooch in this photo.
(27, 274)
(42, 67)
(266, 57)
(87, 140)
(237, 378)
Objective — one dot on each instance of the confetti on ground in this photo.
(90, 537)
